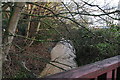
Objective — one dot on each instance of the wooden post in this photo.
(109, 75)
(115, 74)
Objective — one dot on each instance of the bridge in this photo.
(108, 69)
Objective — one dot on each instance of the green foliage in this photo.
(47, 30)
(92, 48)
(107, 49)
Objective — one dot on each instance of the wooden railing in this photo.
(108, 69)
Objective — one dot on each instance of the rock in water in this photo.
(64, 54)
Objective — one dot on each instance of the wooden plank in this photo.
(91, 70)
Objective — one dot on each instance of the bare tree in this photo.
(18, 7)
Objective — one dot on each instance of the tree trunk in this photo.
(29, 23)
(0, 42)
(12, 26)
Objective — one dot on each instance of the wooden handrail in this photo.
(108, 68)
